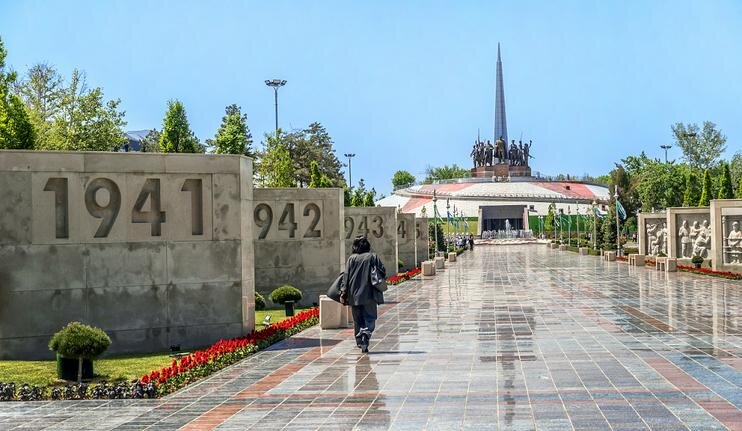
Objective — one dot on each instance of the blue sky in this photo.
(407, 84)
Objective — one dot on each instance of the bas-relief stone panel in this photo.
(407, 248)
(653, 234)
(378, 225)
(731, 221)
(693, 236)
(298, 239)
(115, 240)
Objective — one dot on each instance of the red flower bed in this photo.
(622, 258)
(396, 279)
(201, 363)
(709, 271)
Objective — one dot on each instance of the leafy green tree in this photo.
(16, 130)
(151, 142)
(735, 167)
(276, 168)
(233, 135)
(608, 229)
(445, 172)
(315, 177)
(86, 122)
(739, 189)
(42, 90)
(370, 199)
(690, 197)
(347, 199)
(549, 221)
(627, 188)
(402, 179)
(701, 148)
(177, 136)
(359, 195)
(313, 144)
(660, 185)
(706, 190)
(726, 190)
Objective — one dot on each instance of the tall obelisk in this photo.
(501, 126)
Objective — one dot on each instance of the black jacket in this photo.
(357, 282)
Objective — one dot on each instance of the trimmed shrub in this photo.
(696, 260)
(285, 293)
(259, 302)
(77, 340)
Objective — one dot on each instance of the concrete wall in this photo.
(645, 220)
(696, 220)
(378, 224)
(725, 243)
(406, 245)
(149, 247)
(298, 240)
(422, 233)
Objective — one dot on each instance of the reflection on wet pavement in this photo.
(510, 337)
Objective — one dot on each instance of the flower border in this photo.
(399, 278)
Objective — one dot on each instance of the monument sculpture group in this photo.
(485, 154)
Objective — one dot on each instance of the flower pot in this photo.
(67, 368)
(289, 306)
(697, 265)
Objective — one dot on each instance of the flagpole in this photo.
(595, 228)
(448, 223)
(435, 224)
(618, 231)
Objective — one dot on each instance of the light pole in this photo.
(578, 224)
(665, 147)
(569, 226)
(275, 84)
(595, 227)
(350, 170)
(448, 222)
(618, 231)
(435, 223)
(541, 226)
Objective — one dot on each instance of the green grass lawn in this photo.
(112, 368)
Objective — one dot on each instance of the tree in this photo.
(151, 142)
(726, 190)
(42, 91)
(315, 176)
(313, 144)
(276, 167)
(233, 135)
(84, 121)
(402, 179)
(735, 167)
(690, 197)
(177, 136)
(701, 149)
(739, 190)
(347, 199)
(608, 229)
(549, 221)
(370, 199)
(16, 130)
(359, 195)
(445, 172)
(706, 190)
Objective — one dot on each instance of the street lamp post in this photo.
(275, 84)
(569, 226)
(435, 223)
(618, 231)
(541, 226)
(595, 227)
(665, 147)
(350, 170)
(578, 224)
(448, 228)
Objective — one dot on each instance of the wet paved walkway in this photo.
(513, 337)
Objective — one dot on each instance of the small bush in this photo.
(697, 260)
(77, 340)
(259, 302)
(285, 293)
(400, 264)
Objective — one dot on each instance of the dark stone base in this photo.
(501, 170)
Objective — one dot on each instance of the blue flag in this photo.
(621, 210)
(597, 212)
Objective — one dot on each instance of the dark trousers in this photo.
(364, 319)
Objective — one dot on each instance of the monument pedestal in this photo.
(502, 170)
